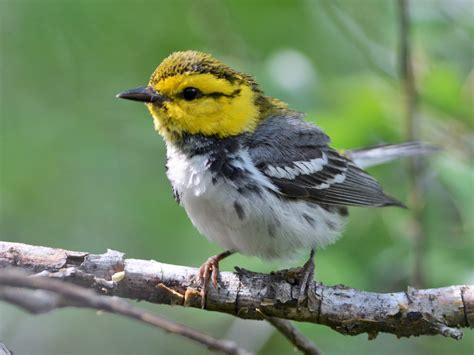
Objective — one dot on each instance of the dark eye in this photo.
(191, 93)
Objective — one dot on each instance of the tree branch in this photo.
(41, 294)
(246, 294)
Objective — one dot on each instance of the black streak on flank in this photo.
(309, 219)
(331, 225)
(177, 196)
(239, 210)
(271, 229)
(250, 189)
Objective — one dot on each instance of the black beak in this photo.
(143, 94)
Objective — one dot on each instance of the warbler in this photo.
(252, 175)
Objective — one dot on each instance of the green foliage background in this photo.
(81, 170)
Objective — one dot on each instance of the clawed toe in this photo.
(307, 278)
(209, 271)
(306, 281)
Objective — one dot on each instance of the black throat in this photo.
(223, 154)
(196, 144)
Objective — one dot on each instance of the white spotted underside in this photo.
(262, 225)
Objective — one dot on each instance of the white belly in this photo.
(259, 224)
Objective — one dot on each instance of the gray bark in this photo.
(247, 294)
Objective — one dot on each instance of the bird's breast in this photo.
(234, 205)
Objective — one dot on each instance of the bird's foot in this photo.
(209, 271)
(302, 277)
(306, 280)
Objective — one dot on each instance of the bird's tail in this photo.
(367, 157)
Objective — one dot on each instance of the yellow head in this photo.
(193, 93)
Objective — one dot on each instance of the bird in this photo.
(253, 176)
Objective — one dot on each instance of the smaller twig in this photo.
(33, 301)
(49, 294)
(348, 27)
(4, 350)
(415, 168)
(290, 332)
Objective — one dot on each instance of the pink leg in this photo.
(210, 271)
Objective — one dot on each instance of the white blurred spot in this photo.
(291, 70)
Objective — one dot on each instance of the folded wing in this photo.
(296, 157)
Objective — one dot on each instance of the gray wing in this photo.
(296, 157)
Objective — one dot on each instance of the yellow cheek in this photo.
(223, 116)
